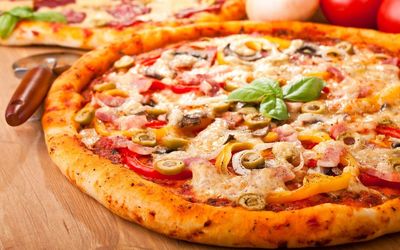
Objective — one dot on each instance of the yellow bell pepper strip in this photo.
(116, 92)
(257, 46)
(362, 105)
(224, 157)
(389, 95)
(313, 136)
(314, 185)
(351, 164)
(221, 58)
(322, 74)
(102, 130)
(282, 43)
(271, 137)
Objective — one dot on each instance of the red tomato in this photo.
(354, 13)
(372, 177)
(389, 16)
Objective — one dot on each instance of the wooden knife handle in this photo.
(29, 95)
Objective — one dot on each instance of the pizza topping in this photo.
(169, 167)
(252, 201)
(142, 165)
(271, 96)
(85, 115)
(106, 114)
(290, 126)
(256, 120)
(246, 160)
(173, 143)
(145, 138)
(388, 130)
(104, 86)
(315, 107)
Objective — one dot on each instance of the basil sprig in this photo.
(9, 19)
(271, 96)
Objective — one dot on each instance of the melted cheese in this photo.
(358, 77)
(208, 183)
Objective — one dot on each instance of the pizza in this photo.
(89, 24)
(243, 134)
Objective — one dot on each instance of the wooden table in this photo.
(40, 209)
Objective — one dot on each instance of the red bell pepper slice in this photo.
(182, 89)
(388, 130)
(155, 124)
(157, 86)
(142, 165)
(371, 180)
(177, 89)
(308, 144)
(149, 61)
(312, 163)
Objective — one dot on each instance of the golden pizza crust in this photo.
(146, 203)
(43, 33)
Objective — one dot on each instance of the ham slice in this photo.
(337, 74)
(130, 122)
(286, 133)
(111, 101)
(106, 114)
(331, 153)
(337, 129)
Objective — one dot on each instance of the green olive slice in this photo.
(172, 142)
(252, 201)
(220, 107)
(145, 138)
(395, 160)
(169, 167)
(314, 107)
(256, 120)
(346, 46)
(104, 86)
(84, 116)
(252, 160)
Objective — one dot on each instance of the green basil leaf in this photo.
(21, 12)
(7, 24)
(275, 108)
(49, 16)
(305, 90)
(256, 91)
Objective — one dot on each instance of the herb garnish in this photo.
(9, 19)
(271, 96)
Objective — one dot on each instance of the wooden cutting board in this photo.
(40, 209)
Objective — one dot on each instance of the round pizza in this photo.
(242, 134)
(88, 24)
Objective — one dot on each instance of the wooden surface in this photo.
(40, 209)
